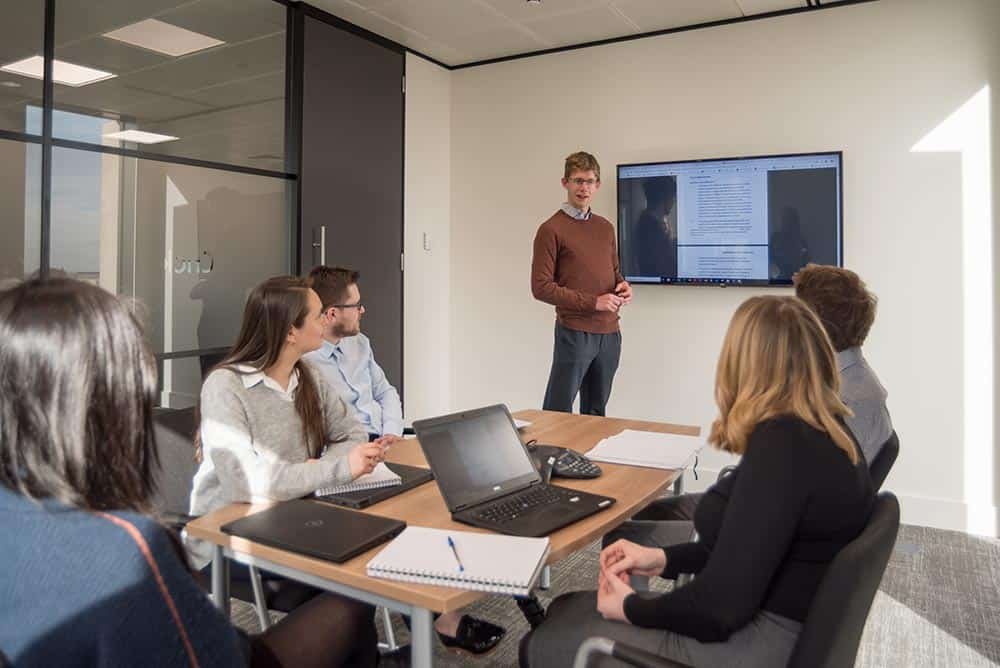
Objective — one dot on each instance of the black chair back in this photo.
(174, 430)
(883, 461)
(832, 632)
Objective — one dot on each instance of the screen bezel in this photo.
(769, 283)
(459, 498)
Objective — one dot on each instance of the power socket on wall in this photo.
(427, 241)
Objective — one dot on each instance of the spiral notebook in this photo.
(381, 476)
(490, 562)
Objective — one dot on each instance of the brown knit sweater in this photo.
(574, 262)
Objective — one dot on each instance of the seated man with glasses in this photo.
(347, 363)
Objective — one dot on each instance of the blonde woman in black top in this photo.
(767, 532)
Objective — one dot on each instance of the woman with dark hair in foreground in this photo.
(87, 577)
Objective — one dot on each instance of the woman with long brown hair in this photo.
(88, 577)
(270, 427)
(767, 531)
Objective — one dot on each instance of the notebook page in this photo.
(381, 476)
(646, 448)
(489, 559)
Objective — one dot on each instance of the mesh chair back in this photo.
(836, 619)
(883, 461)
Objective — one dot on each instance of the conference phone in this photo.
(568, 463)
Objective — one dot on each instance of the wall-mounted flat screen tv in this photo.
(750, 221)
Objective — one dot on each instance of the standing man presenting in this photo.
(575, 268)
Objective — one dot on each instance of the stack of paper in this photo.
(477, 561)
(381, 476)
(647, 448)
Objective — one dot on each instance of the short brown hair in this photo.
(841, 300)
(331, 283)
(581, 161)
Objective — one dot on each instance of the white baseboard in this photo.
(923, 511)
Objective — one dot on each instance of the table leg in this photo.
(220, 580)
(679, 484)
(422, 638)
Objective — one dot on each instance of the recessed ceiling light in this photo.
(139, 137)
(62, 72)
(10, 84)
(161, 37)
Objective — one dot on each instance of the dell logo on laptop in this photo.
(312, 524)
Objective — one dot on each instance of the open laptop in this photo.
(316, 529)
(487, 477)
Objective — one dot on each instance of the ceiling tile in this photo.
(493, 44)
(521, 11)
(109, 55)
(207, 68)
(80, 19)
(348, 10)
(229, 20)
(244, 91)
(22, 33)
(588, 25)
(751, 7)
(662, 14)
(114, 96)
(443, 20)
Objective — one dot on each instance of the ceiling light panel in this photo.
(162, 37)
(64, 73)
(140, 137)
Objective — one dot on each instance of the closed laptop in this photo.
(316, 529)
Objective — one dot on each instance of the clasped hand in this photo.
(618, 561)
(364, 457)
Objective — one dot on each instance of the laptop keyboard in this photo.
(511, 507)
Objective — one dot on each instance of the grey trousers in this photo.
(767, 641)
(582, 363)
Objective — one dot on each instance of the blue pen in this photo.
(454, 551)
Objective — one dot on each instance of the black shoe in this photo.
(474, 636)
(532, 609)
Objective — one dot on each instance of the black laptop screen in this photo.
(475, 455)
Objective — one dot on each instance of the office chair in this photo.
(832, 631)
(174, 441)
(883, 461)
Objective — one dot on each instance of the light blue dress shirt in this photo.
(861, 390)
(350, 368)
(574, 212)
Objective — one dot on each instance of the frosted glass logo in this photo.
(202, 265)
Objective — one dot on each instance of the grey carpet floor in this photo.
(939, 605)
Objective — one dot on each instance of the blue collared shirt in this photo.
(574, 212)
(861, 390)
(350, 368)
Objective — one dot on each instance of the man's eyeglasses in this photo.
(359, 305)
(584, 182)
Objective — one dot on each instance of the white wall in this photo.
(427, 198)
(871, 80)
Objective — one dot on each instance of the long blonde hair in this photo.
(777, 360)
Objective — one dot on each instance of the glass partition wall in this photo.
(142, 145)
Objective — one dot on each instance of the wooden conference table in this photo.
(423, 506)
